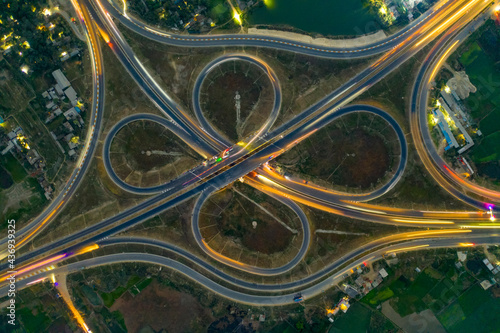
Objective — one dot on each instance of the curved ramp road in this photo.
(192, 141)
(205, 125)
(96, 111)
(434, 163)
(226, 40)
(262, 300)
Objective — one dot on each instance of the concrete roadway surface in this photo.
(26, 233)
(433, 162)
(373, 71)
(224, 40)
(215, 181)
(306, 238)
(194, 142)
(317, 288)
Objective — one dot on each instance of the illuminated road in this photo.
(202, 243)
(226, 40)
(338, 268)
(444, 175)
(264, 147)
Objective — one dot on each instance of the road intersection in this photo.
(451, 19)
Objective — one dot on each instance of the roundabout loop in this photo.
(306, 238)
(332, 196)
(205, 125)
(192, 141)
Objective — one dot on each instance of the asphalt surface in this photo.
(242, 162)
(433, 162)
(96, 112)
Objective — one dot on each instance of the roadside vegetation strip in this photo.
(249, 40)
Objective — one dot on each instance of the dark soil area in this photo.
(218, 98)
(5, 179)
(136, 139)
(233, 215)
(345, 152)
(158, 308)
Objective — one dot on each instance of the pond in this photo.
(326, 17)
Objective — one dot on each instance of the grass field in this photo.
(375, 297)
(15, 169)
(355, 150)
(218, 98)
(475, 311)
(357, 319)
(480, 60)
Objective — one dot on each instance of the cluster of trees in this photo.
(25, 25)
(170, 13)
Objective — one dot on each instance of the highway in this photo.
(251, 161)
(202, 243)
(339, 269)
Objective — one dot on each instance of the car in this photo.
(298, 298)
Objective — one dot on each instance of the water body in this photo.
(327, 17)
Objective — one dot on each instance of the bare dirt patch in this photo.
(353, 151)
(161, 308)
(145, 153)
(218, 98)
(226, 223)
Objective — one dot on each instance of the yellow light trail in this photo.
(408, 248)
(26, 238)
(423, 221)
(87, 249)
(441, 60)
(442, 26)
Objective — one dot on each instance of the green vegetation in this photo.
(110, 297)
(360, 318)
(184, 15)
(375, 297)
(12, 166)
(481, 58)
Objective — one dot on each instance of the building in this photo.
(486, 284)
(71, 94)
(462, 256)
(61, 79)
(445, 129)
(10, 145)
(32, 156)
(488, 264)
(59, 90)
(383, 273)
